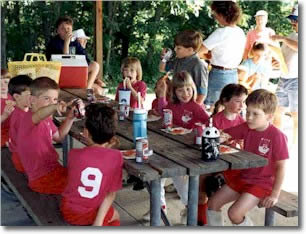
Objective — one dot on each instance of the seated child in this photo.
(7, 107)
(254, 72)
(187, 45)
(34, 140)
(132, 76)
(19, 89)
(94, 173)
(232, 98)
(63, 43)
(186, 112)
(256, 186)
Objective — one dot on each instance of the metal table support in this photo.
(193, 194)
(155, 203)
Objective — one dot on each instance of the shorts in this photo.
(77, 218)
(16, 162)
(287, 93)
(231, 175)
(52, 183)
(217, 79)
(241, 186)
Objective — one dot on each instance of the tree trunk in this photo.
(3, 36)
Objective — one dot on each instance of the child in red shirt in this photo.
(94, 173)
(34, 140)
(132, 75)
(256, 186)
(7, 106)
(232, 99)
(19, 89)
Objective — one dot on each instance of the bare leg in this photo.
(115, 216)
(93, 71)
(239, 209)
(278, 116)
(295, 119)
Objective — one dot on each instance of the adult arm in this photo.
(293, 44)
(104, 207)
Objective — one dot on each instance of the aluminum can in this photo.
(90, 95)
(198, 132)
(79, 111)
(142, 148)
(121, 111)
(168, 118)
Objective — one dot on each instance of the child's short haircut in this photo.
(189, 38)
(134, 63)
(259, 46)
(182, 79)
(263, 99)
(63, 19)
(42, 85)
(19, 84)
(100, 122)
(228, 92)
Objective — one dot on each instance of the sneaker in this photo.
(146, 216)
(170, 188)
(183, 215)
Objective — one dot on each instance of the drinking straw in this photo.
(124, 83)
(138, 97)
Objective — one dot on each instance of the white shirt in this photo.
(291, 58)
(227, 46)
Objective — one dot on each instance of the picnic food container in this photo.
(74, 72)
(139, 123)
(210, 143)
(35, 65)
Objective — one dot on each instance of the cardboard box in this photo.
(74, 72)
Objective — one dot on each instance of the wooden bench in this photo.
(43, 209)
(287, 206)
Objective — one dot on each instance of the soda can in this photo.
(139, 150)
(121, 111)
(198, 132)
(79, 111)
(90, 95)
(168, 118)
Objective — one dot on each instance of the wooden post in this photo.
(99, 37)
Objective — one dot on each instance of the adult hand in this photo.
(68, 37)
(277, 38)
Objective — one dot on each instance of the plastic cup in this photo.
(124, 96)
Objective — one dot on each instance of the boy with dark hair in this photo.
(34, 139)
(187, 44)
(19, 89)
(255, 186)
(94, 172)
(64, 43)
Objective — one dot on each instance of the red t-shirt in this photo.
(139, 86)
(155, 104)
(35, 148)
(221, 122)
(93, 172)
(185, 114)
(270, 143)
(6, 124)
(15, 121)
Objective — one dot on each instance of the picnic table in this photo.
(174, 155)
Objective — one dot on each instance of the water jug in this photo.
(139, 123)
(210, 143)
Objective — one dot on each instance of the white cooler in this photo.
(74, 72)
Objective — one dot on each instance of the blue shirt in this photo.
(56, 45)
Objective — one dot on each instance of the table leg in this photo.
(193, 195)
(155, 203)
(65, 150)
(70, 142)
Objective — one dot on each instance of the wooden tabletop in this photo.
(174, 155)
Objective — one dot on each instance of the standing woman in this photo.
(226, 45)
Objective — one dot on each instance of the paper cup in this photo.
(124, 96)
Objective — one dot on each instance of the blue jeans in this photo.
(288, 93)
(217, 79)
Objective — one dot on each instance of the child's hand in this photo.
(268, 202)
(9, 108)
(161, 88)
(166, 54)
(128, 82)
(224, 137)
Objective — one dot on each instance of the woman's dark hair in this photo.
(228, 92)
(229, 10)
(100, 122)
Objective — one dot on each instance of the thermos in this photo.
(139, 123)
(210, 143)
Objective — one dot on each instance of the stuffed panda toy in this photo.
(210, 143)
